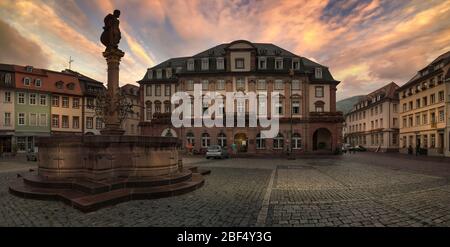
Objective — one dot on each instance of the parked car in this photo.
(216, 151)
(346, 147)
(32, 155)
(360, 148)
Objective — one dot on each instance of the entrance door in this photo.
(241, 142)
(441, 143)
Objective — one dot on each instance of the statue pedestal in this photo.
(112, 119)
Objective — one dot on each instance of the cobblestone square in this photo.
(363, 189)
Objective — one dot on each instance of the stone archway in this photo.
(241, 142)
(322, 140)
(169, 133)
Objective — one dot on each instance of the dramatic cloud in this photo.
(16, 49)
(365, 43)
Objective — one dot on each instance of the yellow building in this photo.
(423, 114)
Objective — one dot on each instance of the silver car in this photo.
(216, 151)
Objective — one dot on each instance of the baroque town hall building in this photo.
(307, 102)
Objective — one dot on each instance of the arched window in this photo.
(296, 141)
(260, 142)
(157, 106)
(278, 141)
(206, 140)
(148, 110)
(320, 106)
(222, 140)
(167, 106)
(190, 138)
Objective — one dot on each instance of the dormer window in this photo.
(150, 74)
(169, 72)
(296, 64)
(205, 63)
(318, 73)
(71, 86)
(7, 78)
(159, 74)
(26, 81)
(29, 69)
(279, 63)
(59, 84)
(178, 70)
(38, 83)
(239, 63)
(220, 63)
(262, 63)
(190, 64)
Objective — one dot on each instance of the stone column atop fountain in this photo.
(110, 38)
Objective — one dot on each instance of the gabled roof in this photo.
(80, 76)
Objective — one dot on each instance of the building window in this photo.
(148, 110)
(65, 121)
(89, 122)
(21, 143)
(220, 63)
(190, 64)
(320, 106)
(167, 107)
(159, 73)
(260, 142)
(190, 85)
(157, 106)
(441, 116)
(65, 102)
(7, 119)
(43, 119)
(38, 83)
(76, 103)
(433, 141)
(205, 85)
(222, 140)
(205, 63)
(262, 63)
(296, 141)
(206, 140)
(319, 91)
(261, 85)
(441, 96)
(262, 105)
(26, 81)
(150, 74)
(296, 105)
(190, 138)
(21, 98)
(98, 123)
(432, 98)
(239, 63)
(279, 63)
(168, 73)
(33, 119)
(295, 64)
(90, 103)
(240, 84)
(43, 99)
(55, 121)
(278, 141)
(167, 90)
(279, 85)
(318, 73)
(148, 90)
(296, 85)
(7, 98)
(21, 119)
(75, 122)
(240, 106)
(158, 90)
(32, 99)
(279, 107)
(8, 79)
(220, 85)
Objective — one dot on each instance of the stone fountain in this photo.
(90, 172)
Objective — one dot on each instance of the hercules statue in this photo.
(111, 32)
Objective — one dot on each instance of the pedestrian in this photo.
(234, 148)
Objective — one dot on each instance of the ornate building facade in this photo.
(307, 106)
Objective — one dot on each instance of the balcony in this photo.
(433, 125)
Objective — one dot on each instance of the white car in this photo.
(216, 151)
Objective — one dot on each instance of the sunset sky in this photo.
(365, 43)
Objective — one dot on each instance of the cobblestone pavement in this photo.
(351, 190)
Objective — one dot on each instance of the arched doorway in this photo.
(241, 142)
(322, 140)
